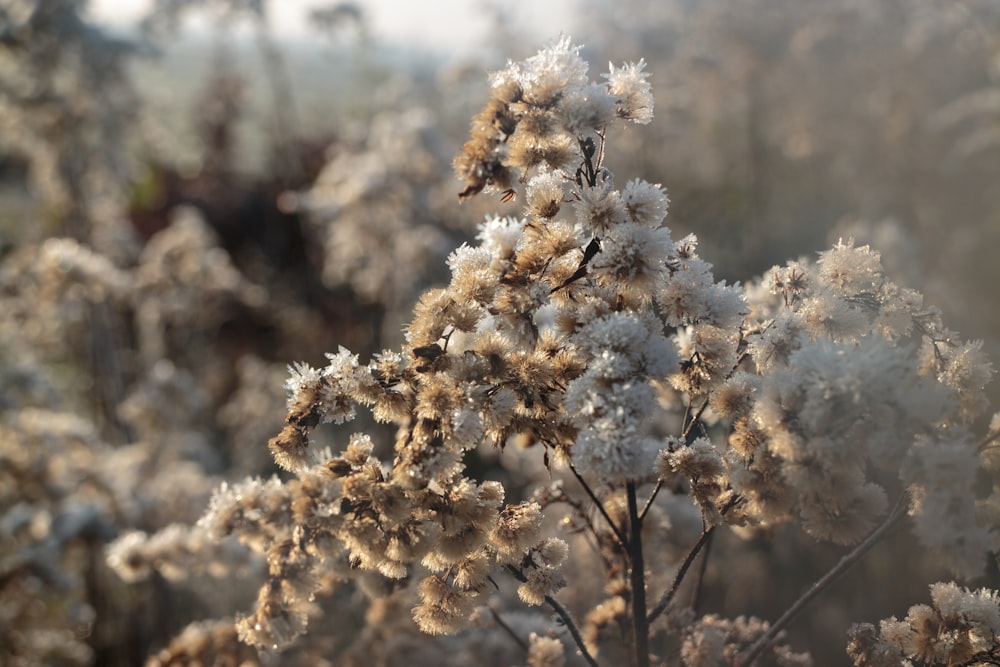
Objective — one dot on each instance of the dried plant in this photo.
(378, 206)
(959, 628)
(640, 410)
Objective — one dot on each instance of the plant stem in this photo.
(564, 615)
(845, 563)
(706, 535)
(695, 597)
(600, 507)
(672, 591)
(686, 435)
(637, 576)
(509, 630)
(652, 497)
(570, 624)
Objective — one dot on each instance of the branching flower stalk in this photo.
(637, 577)
(584, 339)
(845, 563)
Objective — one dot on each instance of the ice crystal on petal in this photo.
(303, 379)
(499, 236)
(558, 66)
(600, 207)
(645, 203)
(545, 193)
(610, 444)
(587, 107)
(632, 256)
(629, 86)
(851, 269)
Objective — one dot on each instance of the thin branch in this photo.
(988, 439)
(652, 497)
(622, 542)
(694, 420)
(666, 598)
(570, 624)
(845, 563)
(510, 631)
(637, 579)
(564, 616)
(600, 149)
(695, 597)
(988, 657)
(589, 532)
(706, 534)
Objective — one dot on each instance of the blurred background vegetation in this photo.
(184, 212)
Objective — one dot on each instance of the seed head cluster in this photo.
(588, 339)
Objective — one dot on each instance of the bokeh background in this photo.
(195, 193)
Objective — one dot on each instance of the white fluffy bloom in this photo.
(711, 353)
(610, 403)
(835, 319)
(967, 369)
(555, 67)
(959, 628)
(500, 236)
(833, 411)
(561, 60)
(773, 346)
(943, 473)
(242, 506)
(473, 274)
(600, 208)
(687, 292)
(621, 344)
(645, 203)
(621, 331)
(545, 651)
(850, 269)
(610, 416)
(895, 317)
(466, 427)
(545, 190)
(586, 108)
(865, 400)
(466, 259)
(344, 377)
(632, 257)
(632, 92)
(700, 459)
(302, 378)
(704, 647)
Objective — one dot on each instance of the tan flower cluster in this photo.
(540, 111)
(381, 205)
(205, 643)
(959, 627)
(854, 376)
(719, 641)
(489, 357)
(583, 336)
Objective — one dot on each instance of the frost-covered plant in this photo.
(379, 206)
(71, 481)
(960, 627)
(767, 152)
(65, 102)
(643, 404)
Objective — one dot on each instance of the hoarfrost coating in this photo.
(586, 344)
